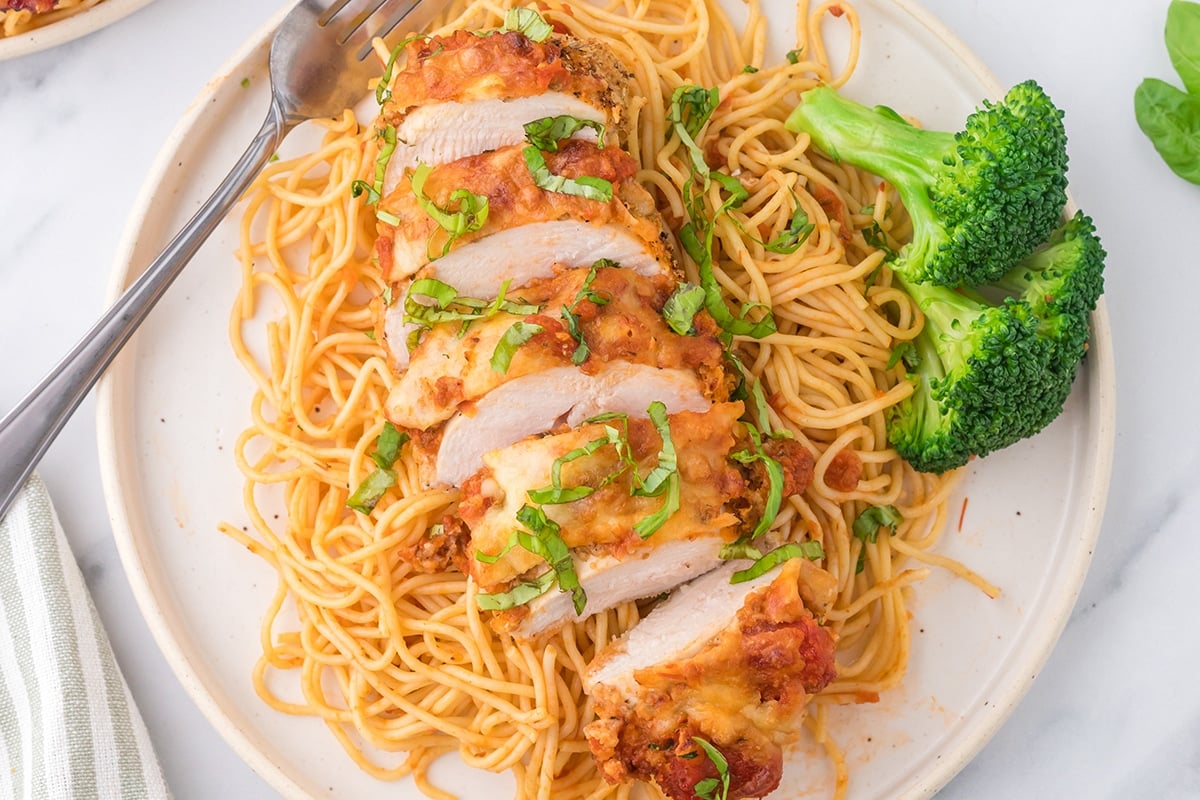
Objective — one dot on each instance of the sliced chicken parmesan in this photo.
(467, 93)
(732, 664)
(526, 229)
(543, 401)
(640, 505)
(589, 318)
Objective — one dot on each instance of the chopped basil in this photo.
(387, 446)
(518, 334)
(375, 190)
(358, 187)
(664, 478)
(471, 215)
(521, 594)
(907, 352)
(739, 549)
(245, 83)
(749, 69)
(775, 478)
(543, 539)
(581, 350)
(370, 335)
(387, 216)
(794, 235)
(555, 493)
(810, 550)
(875, 237)
(793, 56)
(585, 186)
(690, 109)
(368, 493)
(572, 319)
(547, 132)
(387, 295)
(681, 308)
(528, 22)
(383, 89)
(750, 388)
(867, 526)
(387, 450)
(713, 788)
(586, 292)
(449, 306)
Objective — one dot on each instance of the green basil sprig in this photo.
(1170, 118)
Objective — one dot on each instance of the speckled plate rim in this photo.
(66, 30)
(1010, 689)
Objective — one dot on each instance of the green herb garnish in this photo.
(547, 132)
(764, 564)
(470, 215)
(585, 186)
(867, 526)
(681, 308)
(713, 788)
(518, 334)
(528, 22)
(387, 450)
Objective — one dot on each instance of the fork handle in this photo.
(27, 431)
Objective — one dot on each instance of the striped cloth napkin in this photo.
(68, 725)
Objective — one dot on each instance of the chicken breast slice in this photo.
(442, 132)
(600, 458)
(733, 664)
(527, 229)
(463, 94)
(623, 322)
(610, 581)
(545, 400)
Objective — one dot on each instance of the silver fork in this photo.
(319, 67)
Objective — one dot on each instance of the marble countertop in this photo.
(1116, 711)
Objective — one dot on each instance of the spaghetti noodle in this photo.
(395, 661)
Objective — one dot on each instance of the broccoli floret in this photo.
(980, 200)
(1061, 282)
(987, 375)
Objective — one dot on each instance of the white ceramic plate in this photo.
(176, 400)
(72, 27)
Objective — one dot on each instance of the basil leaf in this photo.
(518, 334)
(1171, 120)
(794, 235)
(543, 539)
(521, 594)
(793, 56)
(907, 352)
(548, 543)
(383, 89)
(387, 446)
(648, 526)
(387, 295)
(582, 350)
(368, 493)
(449, 306)
(547, 132)
(528, 22)
(739, 549)
(681, 308)
(813, 551)
(585, 186)
(718, 760)
(1183, 42)
(358, 187)
(388, 147)
(867, 526)
(749, 69)
(470, 216)
(655, 482)
(775, 478)
(586, 292)
(555, 494)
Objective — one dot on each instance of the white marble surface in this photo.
(1115, 713)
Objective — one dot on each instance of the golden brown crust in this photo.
(603, 521)
(463, 67)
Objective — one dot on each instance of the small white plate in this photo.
(72, 27)
(172, 406)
